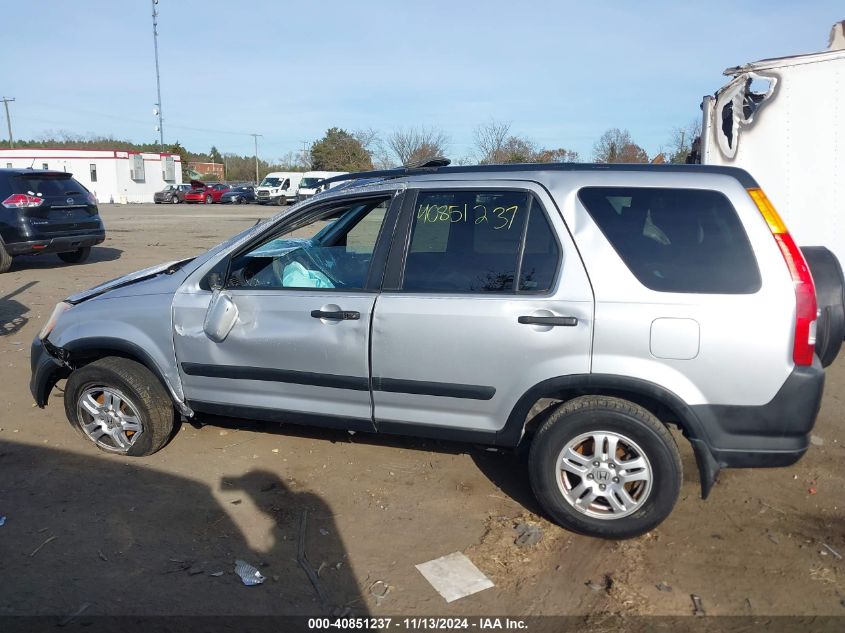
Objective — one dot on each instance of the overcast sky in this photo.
(560, 72)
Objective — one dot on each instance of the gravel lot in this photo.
(145, 536)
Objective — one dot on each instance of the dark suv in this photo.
(46, 212)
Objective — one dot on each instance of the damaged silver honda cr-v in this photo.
(449, 302)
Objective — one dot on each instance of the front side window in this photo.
(332, 250)
(676, 240)
(479, 242)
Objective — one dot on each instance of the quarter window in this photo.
(479, 242)
(676, 240)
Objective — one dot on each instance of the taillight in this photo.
(806, 308)
(92, 199)
(22, 201)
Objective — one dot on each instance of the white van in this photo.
(278, 187)
(311, 178)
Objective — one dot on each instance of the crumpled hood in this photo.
(125, 280)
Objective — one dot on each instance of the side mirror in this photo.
(221, 316)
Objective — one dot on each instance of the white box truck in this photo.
(278, 187)
(783, 120)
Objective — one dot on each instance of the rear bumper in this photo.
(770, 435)
(46, 370)
(60, 244)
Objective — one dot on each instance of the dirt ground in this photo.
(148, 536)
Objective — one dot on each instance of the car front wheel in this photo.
(209, 199)
(119, 405)
(605, 467)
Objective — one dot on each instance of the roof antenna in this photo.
(32, 163)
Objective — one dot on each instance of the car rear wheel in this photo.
(5, 258)
(209, 199)
(120, 406)
(605, 467)
(77, 256)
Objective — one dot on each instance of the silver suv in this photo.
(448, 302)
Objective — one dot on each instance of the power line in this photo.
(6, 101)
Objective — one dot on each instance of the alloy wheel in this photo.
(109, 419)
(604, 475)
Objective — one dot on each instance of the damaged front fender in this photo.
(51, 363)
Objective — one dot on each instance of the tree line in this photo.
(494, 142)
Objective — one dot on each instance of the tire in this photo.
(280, 201)
(141, 395)
(209, 200)
(574, 424)
(174, 200)
(5, 258)
(77, 256)
(830, 295)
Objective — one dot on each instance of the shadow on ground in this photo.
(51, 260)
(12, 311)
(109, 533)
(505, 468)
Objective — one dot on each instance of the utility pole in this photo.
(255, 138)
(304, 156)
(158, 80)
(6, 101)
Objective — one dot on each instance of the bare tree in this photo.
(490, 139)
(616, 146)
(371, 140)
(559, 155)
(417, 144)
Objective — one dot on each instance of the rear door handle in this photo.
(565, 321)
(336, 315)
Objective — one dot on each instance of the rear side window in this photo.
(676, 240)
(480, 242)
(49, 185)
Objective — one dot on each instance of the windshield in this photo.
(308, 183)
(271, 182)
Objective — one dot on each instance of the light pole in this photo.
(158, 80)
(255, 138)
(6, 101)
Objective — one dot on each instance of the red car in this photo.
(207, 194)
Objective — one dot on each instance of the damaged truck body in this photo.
(783, 120)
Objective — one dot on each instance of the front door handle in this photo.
(565, 321)
(336, 315)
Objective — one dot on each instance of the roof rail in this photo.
(427, 166)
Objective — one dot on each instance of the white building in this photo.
(117, 176)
